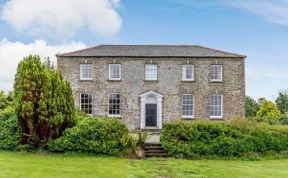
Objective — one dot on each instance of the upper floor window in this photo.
(114, 105)
(86, 103)
(188, 72)
(187, 106)
(114, 71)
(216, 106)
(150, 72)
(86, 71)
(216, 73)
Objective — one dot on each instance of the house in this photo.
(146, 85)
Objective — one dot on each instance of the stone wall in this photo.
(169, 84)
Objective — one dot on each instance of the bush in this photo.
(233, 138)
(9, 134)
(268, 112)
(91, 135)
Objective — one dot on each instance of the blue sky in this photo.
(258, 29)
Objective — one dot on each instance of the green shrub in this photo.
(9, 134)
(92, 135)
(233, 138)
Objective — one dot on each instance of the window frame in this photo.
(193, 107)
(221, 109)
(81, 72)
(110, 74)
(151, 79)
(86, 103)
(184, 72)
(114, 115)
(221, 73)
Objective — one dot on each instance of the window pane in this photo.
(114, 104)
(188, 72)
(86, 71)
(115, 71)
(151, 72)
(216, 72)
(216, 105)
(188, 105)
(86, 103)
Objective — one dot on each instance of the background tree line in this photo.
(268, 111)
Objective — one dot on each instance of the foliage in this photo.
(268, 112)
(6, 100)
(9, 135)
(92, 135)
(136, 143)
(230, 138)
(44, 102)
(282, 101)
(251, 107)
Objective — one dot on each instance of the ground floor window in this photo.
(114, 105)
(86, 103)
(187, 106)
(216, 106)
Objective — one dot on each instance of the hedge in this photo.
(92, 135)
(9, 134)
(234, 138)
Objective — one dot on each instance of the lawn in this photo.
(36, 165)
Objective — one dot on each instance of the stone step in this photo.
(156, 154)
(153, 148)
(155, 151)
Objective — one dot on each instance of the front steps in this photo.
(154, 150)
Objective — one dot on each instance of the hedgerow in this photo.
(232, 138)
(93, 135)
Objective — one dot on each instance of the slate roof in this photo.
(150, 51)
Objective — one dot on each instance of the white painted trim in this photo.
(191, 116)
(151, 79)
(143, 108)
(119, 72)
(219, 117)
(81, 77)
(184, 72)
(111, 115)
(221, 72)
(91, 103)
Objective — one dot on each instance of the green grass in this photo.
(43, 165)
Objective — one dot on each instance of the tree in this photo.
(251, 107)
(44, 102)
(282, 101)
(6, 100)
(268, 112)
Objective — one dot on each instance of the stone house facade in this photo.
(146, 85)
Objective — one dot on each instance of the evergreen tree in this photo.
(251, 107)
(44, 102)
(282, 101)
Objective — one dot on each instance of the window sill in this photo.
(84, 80)
(187, 81)
(216, 81)
(216, 118)
(114, 116)
(151, 80)
(114, 80)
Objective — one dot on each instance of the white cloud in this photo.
(11, 53)
(63, 17)
(275, 11)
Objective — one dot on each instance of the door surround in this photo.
(151, 97)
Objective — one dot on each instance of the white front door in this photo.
(151, 110)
